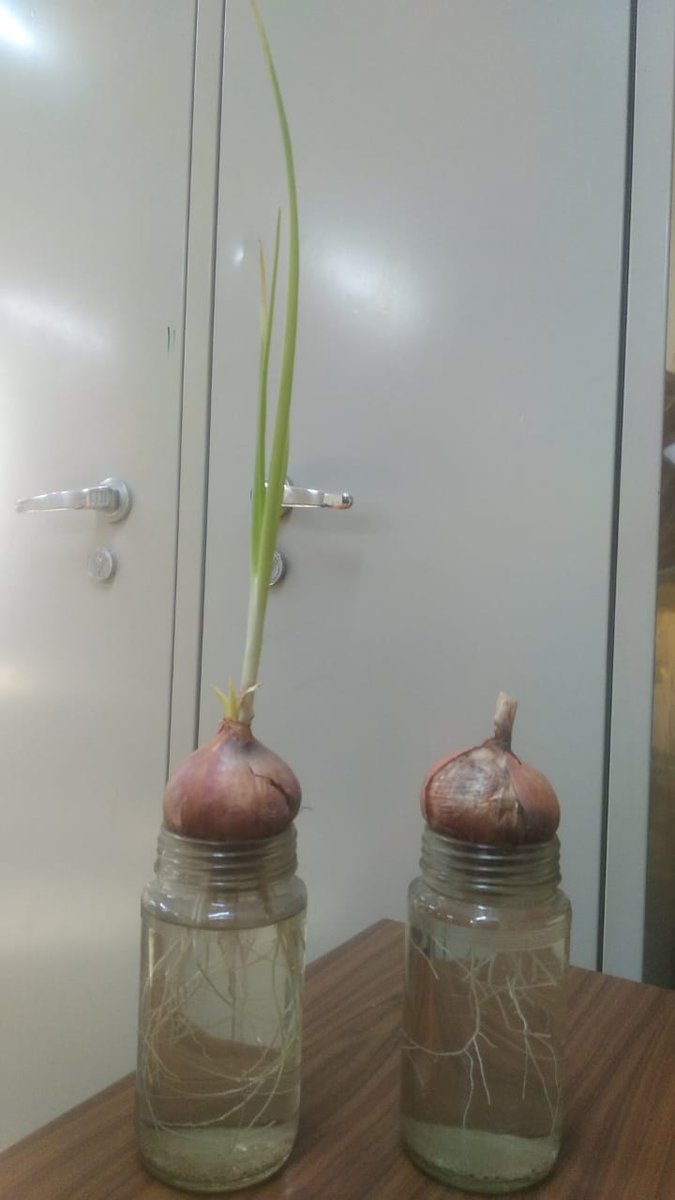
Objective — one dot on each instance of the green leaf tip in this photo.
(230, 702)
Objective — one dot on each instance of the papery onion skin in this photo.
(233, 788)
(486, 794)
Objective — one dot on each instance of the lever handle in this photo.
(111, 496)
(298, 497)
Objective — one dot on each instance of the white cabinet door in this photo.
(96, 123)
(639, 683)
(461, 174)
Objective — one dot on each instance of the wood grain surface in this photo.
(619, 1133)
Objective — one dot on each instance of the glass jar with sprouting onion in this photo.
(218, 1078)
(487, 947)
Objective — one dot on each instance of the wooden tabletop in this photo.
(619, 1134)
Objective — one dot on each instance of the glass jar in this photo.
(222, 964)
(487, 946)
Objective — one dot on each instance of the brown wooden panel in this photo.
(619, 1141)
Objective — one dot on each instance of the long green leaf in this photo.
(258, 489)
(266, 536)
(266, 325)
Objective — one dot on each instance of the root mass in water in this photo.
(481, 1070)
(219, 1061)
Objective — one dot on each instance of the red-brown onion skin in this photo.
(231, 789)
(537, 800)
(487, 795)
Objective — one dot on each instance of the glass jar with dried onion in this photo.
(487, 945)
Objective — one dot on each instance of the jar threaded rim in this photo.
(457, 867)
(230, 864)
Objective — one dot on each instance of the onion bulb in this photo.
(486, 794)
(231, 789)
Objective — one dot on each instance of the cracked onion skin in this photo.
(231, 789)
(486, 794)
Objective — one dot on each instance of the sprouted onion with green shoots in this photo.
(486, 794)
(234, 788)
(219, 1057)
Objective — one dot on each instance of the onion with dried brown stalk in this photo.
(487, 949)
(487, 794)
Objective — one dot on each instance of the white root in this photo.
(175, 981)
(510, 986)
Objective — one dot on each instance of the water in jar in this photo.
(219, 1057)
(482, 1052)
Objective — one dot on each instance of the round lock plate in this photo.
(279, 568)
(101, 564)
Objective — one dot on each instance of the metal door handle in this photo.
(111, 496)
(298, 497)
